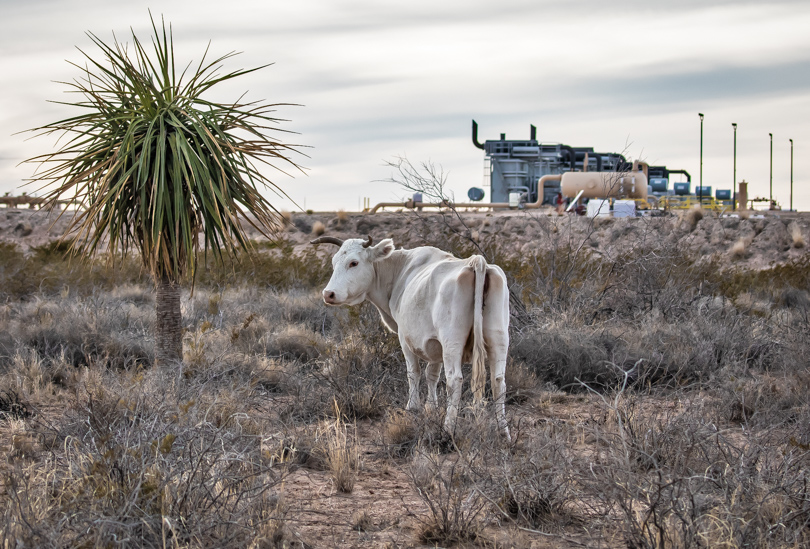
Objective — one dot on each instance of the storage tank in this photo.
(604, 184)
(681, 189)
(659, 184)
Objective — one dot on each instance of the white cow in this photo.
(445, 310)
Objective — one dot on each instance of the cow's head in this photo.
(353, 268)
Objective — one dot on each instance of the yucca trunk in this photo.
(169, 323)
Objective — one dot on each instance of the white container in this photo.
(514, 200)
(598, 207)
(624, 208)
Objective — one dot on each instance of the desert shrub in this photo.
(567, 357)
(83, 330)
(116, 466)
(295, 343)
(536, 485)
(679, 481)
(281, 268)
(456, 509)
(48, 270)
(733, 282)
(365, 370)
(754, 398)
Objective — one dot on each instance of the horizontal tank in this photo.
(681, 189)
(605, 184)
(659, 184)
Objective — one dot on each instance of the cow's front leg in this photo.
(452, 373)
(414, 373)
(432, 373)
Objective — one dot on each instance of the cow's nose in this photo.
(329, 296)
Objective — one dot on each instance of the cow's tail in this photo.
(479, 355)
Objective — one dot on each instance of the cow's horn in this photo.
(327, 240)
(367, 244)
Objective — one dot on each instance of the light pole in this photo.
(700, 191)
(770, 193)
(734, 183)
(791, 174)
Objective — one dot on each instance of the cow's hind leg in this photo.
(432, 373)
(497, 371)
(414, 373)
(452, 373)
(496, 322)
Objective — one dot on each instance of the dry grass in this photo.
(342, 454)
(693, 217)
(796, 236)
(739, 249)
(318, 228)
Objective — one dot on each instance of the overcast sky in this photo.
(379, 79)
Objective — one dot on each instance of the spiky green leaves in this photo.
(157, 166)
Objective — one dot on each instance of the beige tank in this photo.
(605, 184)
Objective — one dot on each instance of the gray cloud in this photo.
(378, 79)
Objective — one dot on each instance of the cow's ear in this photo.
(382, 250)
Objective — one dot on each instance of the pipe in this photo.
(644, 167)
(572, 155)
(494, 205)
(684, 172)
(596, 155)
(475, 135)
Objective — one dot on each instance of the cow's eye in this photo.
(353, 264)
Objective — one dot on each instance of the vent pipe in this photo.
(475, 135)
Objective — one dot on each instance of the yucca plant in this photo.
(154, 165)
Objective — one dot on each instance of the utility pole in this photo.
(791, 174)
(734, 183)
(700, 191)
(770, 193)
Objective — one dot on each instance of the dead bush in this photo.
(456, 509)
(536, 486)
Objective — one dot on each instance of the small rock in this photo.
(23, 229)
